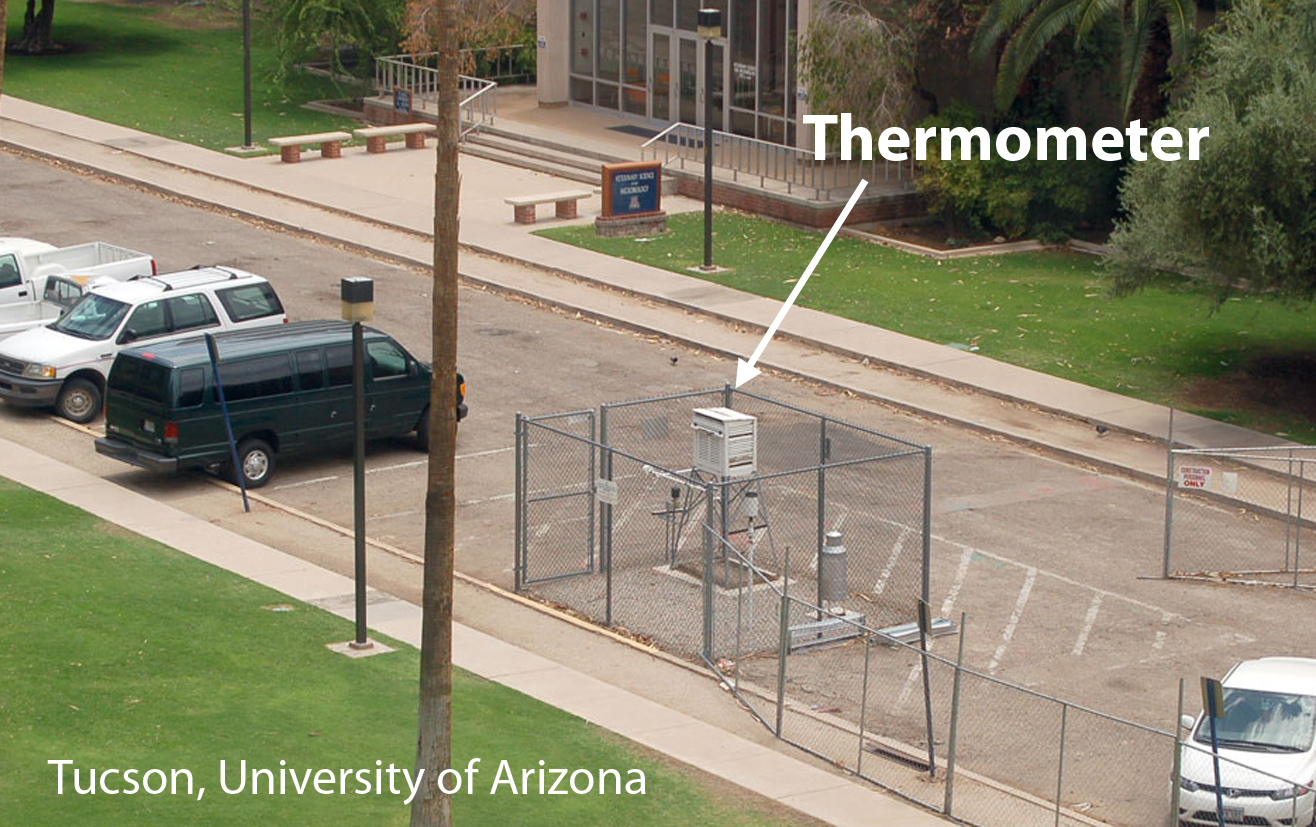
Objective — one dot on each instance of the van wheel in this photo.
(256, 462)
(423, 431)
(80, 400)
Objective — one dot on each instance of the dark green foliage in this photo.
(316, 29)
(1042, 199)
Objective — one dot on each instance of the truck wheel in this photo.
(423, 431)
(255, 462)
(80, 400)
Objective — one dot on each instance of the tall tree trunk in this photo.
(35, 38)
(1150, 101)
(431, 807)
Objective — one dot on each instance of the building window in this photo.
(661, 12)
(582, 37)
(743, 34)
(635, 32)
(772, 59)
(582, 90)
(605, 95)
(609, 42)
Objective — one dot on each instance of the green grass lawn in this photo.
(118, 652)
(171, 71)
(1047, 311)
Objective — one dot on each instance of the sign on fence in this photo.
(605, 491)
(1195, 476)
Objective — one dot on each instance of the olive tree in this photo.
(1244, 216)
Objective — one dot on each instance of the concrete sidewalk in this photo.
(792, 783)
(383, 203)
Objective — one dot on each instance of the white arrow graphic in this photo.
(746, 371)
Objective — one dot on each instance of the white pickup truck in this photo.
(26, 264)
(59, 294)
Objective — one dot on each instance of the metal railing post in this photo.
(926, 586)
(822, 505)
(1288, 514)
(1169, 498)
(1297, 534)
(952, 738)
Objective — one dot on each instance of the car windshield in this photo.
(94, 317)
(1264, 721)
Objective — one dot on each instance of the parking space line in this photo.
(302, 482)
(398, 514)
(891, 561)
(495, 498)
(397, 467)
(947, 607)
(1088, 621)
(1008, 634)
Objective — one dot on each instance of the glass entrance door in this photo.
(679, 95)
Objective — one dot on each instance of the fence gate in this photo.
(555, 513)
(1263, 526)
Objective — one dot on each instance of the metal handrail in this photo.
(477, 107)
(768, 161)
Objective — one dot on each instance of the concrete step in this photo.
(518, 159)
(535, 151)
(507, 147)
(553, 146)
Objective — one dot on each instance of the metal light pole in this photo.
(246, 71)
(710, 27)
(358, 296)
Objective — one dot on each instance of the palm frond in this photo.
(1091, 12)
(1133, 50)
(997, 22)
(1041, 26)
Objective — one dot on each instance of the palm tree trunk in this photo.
(432, 808)
(1150, 102)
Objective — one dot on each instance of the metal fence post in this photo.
(1297, 534)
(605, 516)
(1060, 769)
(591, 469)
(952, 744)
(822, 506)
(924, 614)
(1169, 497)
(783, 642)
(927, 526)
(1288, 514)
(1178, 761)
(863, 707)
(708, 573)
(519, 531)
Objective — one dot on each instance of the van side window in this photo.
(386, 359)
(338, 358)
(140, 378)
(191, 312)
(262, 376)
(250, 301)
(9, 276)
(147, 320)
(310, 370)
(191, 387)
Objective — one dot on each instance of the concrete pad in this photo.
(632, 716)
(309, 584)
(564, 688)
(490, 657)
(346, 648)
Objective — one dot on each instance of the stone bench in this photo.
(290, 146)
(523, 206)
(377, 136)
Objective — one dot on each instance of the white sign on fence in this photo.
(605, 491)
(1191, 476)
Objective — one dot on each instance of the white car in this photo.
(64, 365)
(1265, 739)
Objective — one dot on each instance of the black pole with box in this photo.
(358, 297)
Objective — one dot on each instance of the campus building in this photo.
(644, 59)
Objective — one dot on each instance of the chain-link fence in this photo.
(799, 586)
(1271, 493)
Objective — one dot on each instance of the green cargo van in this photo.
(288, 389)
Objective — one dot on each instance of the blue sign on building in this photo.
(402, 100)
(633, 189)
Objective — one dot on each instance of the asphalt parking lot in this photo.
(1044, 556)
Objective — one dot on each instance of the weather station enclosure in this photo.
(737, 530)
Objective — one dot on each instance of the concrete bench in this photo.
(523, 206)
(290, 146)
(376, 136)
